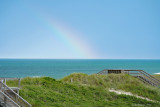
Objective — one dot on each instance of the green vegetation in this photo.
(86, 91)
(116, 81)
(157, 76)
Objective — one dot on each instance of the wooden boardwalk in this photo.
(140, 74)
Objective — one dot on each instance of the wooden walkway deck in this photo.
(9, 96)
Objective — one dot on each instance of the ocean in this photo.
(59, 68)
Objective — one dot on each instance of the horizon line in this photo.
(91, 58)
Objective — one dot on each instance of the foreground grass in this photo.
(84, 91)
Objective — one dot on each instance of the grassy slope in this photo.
(116, 81)
(86, 90)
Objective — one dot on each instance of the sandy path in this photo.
(129, 93)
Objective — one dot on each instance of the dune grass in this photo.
(84, 91)
(117, 81)
(157, 76)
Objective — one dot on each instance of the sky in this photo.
(80, 29)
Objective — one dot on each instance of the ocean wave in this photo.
(36, 76)
(157, 73)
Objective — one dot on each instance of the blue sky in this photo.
(98, 29)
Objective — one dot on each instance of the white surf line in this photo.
(129, 93)
(156, 73)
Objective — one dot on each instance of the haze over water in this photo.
(59, 68)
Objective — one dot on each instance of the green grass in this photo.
(85, 91)
(116, 81)
(157, 76)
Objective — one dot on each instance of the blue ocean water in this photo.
(59, 68)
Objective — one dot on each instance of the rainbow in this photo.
(69, 38)
(78, 45)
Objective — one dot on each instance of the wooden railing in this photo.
(145, 77)
(140, 74)
(13, 95)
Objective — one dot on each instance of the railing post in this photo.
(2, 85)
(16, 99)
(19, 83)
(5, 104)
(71, 80)
(4, 80)
(5, 84)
